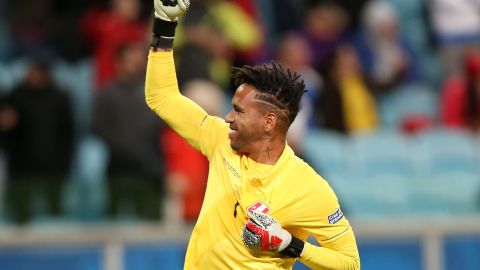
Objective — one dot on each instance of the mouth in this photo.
(232, 133)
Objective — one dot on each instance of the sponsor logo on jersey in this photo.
(335, 217)
(230, 168)
(258, 206)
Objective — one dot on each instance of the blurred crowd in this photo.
(107, 156)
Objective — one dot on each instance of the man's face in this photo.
(245, 120)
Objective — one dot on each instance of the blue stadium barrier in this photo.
(154, 257)
(462, 252)
(399, 254)
(41, 258)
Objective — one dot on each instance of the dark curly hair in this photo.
(276, 85)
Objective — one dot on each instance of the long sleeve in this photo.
(180, 113)
(321, 217)
(339, 254)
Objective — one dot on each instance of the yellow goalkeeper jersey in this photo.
(290, 191)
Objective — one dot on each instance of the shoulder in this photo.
(298, 166)
(307, 192)
(310, 184)
(218, 126)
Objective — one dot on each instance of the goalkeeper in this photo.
(261, 202)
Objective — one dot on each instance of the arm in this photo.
(161, 87)
(339, 254)
(264, 233)
(164, 98)
(337, 250)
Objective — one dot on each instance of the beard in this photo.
(235, 144)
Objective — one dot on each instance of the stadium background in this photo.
(409, 181)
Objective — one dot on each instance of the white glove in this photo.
(264, 233)
(169, 10)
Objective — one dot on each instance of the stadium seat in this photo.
(85, 193)
(77, 79)
(376, 195)
(326, 151)
(449, 193)
(403, 102)
(11, 74)
(384, 152)
(476, 148)
(445, 151)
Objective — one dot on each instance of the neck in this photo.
(268, 151)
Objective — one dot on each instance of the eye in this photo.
(237, 109)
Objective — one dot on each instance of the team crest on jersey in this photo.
(258, 206)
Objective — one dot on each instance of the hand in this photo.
(169, 10)
(264, 233)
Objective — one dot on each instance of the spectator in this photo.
(130, 130)
(347, 104)
(200, 39)
(187, 184)
(456, 25)
(108, 30)
(387, 57)
(324, 27)
(217, 33)
(37, 127)
(31, 23)
(460, 101)
(295, 53)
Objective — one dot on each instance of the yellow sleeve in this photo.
(180, 113)
(338, 248)
(339, 254)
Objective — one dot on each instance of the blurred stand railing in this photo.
(113, 237)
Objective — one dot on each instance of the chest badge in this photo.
(258, 206)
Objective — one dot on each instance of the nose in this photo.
(229, 117)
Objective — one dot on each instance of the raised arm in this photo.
(164, 98)
(161, 88)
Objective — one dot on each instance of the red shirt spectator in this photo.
(460, 104)
(191, 179)
(187, 184)
(108, 30)
(454, 103)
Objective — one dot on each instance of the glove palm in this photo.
(170, 10)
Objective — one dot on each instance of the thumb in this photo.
(183, 4)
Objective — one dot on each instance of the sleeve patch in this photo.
(335, 217)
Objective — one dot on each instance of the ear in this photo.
(271, 120)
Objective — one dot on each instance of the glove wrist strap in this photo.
(163, 33)
(294, 249)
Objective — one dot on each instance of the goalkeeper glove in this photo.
(264, 233)
(165, 22)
